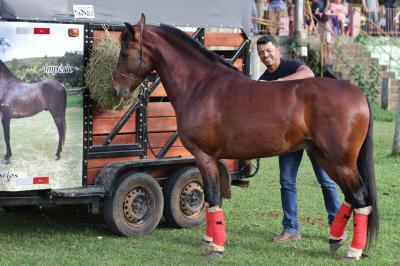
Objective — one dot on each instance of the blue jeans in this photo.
(288, 166)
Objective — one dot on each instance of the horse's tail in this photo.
(365, 165)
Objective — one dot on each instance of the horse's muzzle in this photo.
(114, 92)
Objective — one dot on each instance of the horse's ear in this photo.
(142, 20)
(130, 29)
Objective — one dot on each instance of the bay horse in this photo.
(221, 113)
(19, 99)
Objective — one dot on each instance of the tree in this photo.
(396, 141)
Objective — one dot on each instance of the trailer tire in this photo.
(184, 198)
(135, 205)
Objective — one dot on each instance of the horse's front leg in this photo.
(5, 120)
(215, 233)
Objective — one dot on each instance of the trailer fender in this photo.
(109, 174)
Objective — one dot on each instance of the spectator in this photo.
(325, 31)
(339, 10)
(277, 9)
(290, 6)
(370, 8)
(254, 17)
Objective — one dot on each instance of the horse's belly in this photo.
(24, 111)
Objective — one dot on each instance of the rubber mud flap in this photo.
(224, 181)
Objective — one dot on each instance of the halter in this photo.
(141, 59)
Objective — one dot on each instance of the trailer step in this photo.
(79, 192)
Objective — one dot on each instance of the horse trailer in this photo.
(129, 164)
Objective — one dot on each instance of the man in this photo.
(371, 8)
(281, 69)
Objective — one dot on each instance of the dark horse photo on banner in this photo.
(19, 99)
(41, 105)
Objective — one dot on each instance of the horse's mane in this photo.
(187, 39)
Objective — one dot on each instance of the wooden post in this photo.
(396, 140)
(385, 93)
(300, 34)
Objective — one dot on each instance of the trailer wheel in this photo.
(135, 206)
(184, 198)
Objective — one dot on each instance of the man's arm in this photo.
(364, 6)
(302, 72)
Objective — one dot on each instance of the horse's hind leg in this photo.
(215, 233)
(347, 177)
(5, 120)
(59, 120)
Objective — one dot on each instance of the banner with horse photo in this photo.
(41, 79)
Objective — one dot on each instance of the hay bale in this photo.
(98, 74)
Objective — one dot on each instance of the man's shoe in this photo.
(285, 237)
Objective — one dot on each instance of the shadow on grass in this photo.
(73, 219)
(58, 219)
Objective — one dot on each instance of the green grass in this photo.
(34, 142)
(381, 114)
(75, 101)
(69, 236)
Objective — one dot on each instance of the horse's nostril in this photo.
(114, 92)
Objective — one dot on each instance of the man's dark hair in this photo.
(266, 39)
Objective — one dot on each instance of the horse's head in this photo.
(134, 63)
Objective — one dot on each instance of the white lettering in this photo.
(64, 69)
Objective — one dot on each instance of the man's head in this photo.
(269, 52)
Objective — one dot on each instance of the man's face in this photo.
(269, 54)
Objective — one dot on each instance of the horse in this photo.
(223, 114)
(19, 99)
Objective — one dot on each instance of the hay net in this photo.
(98, 75)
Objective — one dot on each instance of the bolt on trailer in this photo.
(61, 147)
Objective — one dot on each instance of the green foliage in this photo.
(362, 38)
(366, 81)
(71, 80)
(313, 60)
(75, 101)
(31, 70)
(381, 114)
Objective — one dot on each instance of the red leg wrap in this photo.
(210, 224)
(219, 234)
(339, 223)
(360, 231)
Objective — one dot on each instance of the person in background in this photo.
(338, 9)
(370, 8)
(325, 31)
(277, 9)
(254, 17)
(282, 69)
(290, 6)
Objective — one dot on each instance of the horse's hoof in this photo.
(57, 157)
(6, 161)
(205, 245)
(334, 245)
(215, 254)
(353, 255)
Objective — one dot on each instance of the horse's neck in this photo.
(6, 74)
(181, 72)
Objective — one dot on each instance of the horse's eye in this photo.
(124, 55)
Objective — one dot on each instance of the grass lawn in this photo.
(34, 142)
(69, 236)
